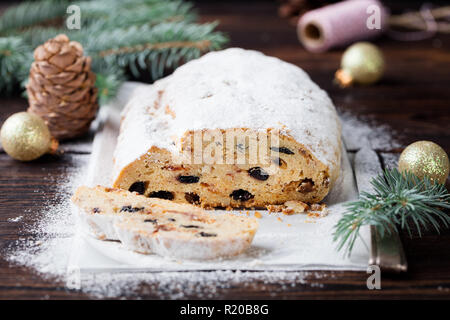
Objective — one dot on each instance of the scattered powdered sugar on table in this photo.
(359, 132)
(16, 219)
(203, 284)
(47, 251)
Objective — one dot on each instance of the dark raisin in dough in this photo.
(258, 173)
(96, 210)
(162, 195)
(154, 221)
(192, 198)
(306, 185)
(131, 209)
(188, 179)
(138, 187)
(282, 150)
(171, 219)
(204, 234)
(190, 226)
(241, 195)
(279, 162)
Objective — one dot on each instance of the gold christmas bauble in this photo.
(425, 158)
(26, 137)
(361, 63)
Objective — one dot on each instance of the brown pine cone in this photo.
(61, 87)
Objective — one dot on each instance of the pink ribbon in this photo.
(341, 24)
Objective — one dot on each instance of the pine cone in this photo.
(61, 87)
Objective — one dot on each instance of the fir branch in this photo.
(127, 13)
(165, 45)
(15, 59)
(397, 199)
(38, 35)
(31, 13)
(100, 17)
(201, 45)
(109, 79)
(152, 36)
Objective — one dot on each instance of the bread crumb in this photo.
(275, 208)
(258, 215)
(288, 211)
(295, 206)
(318, 210)
(314, 214)
(289, 225)
(279, 219)
(318, 206)
(170, 111)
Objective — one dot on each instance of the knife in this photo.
(386, 252)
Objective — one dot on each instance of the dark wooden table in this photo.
(413, 99)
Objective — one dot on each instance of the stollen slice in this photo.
(148, 225)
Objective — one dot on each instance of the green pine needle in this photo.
(31, 13)
(126, 14)
(109, 79)
(15, 59)
(156, 48)
(397, 199)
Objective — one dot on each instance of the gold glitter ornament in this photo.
(26, 137)
(425, 158)
(361, 63)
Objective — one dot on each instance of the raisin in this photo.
(130, 209)
(96, 210)
(204, 234)
(258, 173)
(190, 226)
(306, 185)
(162, 195)
(279, 162)
(138, 187)
(282, 150)
(154, 221)
(192, 198)
(172, 219)
(188, 179)
(241, 195)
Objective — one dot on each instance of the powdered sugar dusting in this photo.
(206, 285)
(47, 252)
(16, 219)
(365, 133)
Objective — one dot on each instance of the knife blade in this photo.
(386, 252)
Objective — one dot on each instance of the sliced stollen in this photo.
(178, 235)
(149, 225)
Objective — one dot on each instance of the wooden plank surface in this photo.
(413, 99)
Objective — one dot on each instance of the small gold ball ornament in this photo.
(425, 158)
(26, 137)
(361, 63)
